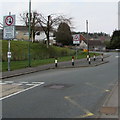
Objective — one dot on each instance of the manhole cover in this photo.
(57, 86)
(108, 110)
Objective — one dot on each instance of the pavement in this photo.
(61, 65)
(110, 108)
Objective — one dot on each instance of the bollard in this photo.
(102, 57)
(87, 57)
(72, 60)
(56, 61)
(94, 57)
(89, 60)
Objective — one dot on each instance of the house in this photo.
(93, 44)
(22, 33)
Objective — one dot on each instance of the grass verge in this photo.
(24, 64)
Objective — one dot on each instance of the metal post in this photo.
(29, 61)
(87, 36)
(48, 27)
(76, 51)
(9, 51)
(8, 55)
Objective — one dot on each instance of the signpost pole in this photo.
(9, 51)
(76, 51)
(76, 40)
(8, 55)
(9, 33)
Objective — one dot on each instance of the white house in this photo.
(23, 34)
(93, 45)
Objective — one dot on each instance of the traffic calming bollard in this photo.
(72, 60)
(56, 62)
(94, 57)
(87, 57)
(102, 57)
(89, 60)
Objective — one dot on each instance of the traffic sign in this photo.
(76, 39)
(9, 20)
(9, 27)
(9, 32)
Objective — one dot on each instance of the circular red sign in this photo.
(9, 20)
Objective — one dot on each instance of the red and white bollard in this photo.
(89, 60)
(87, 57)
(56, 62)
(94, 57)
(72, 60)
(102, 57)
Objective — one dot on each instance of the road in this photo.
(64, 93)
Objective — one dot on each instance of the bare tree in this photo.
(47, 23)
(50, 22)
(33, 21)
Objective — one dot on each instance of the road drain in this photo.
(108, 110)
(58, 86)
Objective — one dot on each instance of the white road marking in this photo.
(3, 83)
(8, 81)
(24, 82)
(21, 91)
(117, 56)
(17, 84)
(30, 84)
(36, 82)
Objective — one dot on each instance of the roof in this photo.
(94, 43)
(82, 37)
(25, 28)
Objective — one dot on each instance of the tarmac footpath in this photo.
(61, 65)
(110, 108)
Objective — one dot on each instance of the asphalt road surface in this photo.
(64, 93)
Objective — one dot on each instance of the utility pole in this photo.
(29, 20)
(87, 36)
(48, 31)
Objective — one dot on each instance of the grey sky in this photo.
(102, 16)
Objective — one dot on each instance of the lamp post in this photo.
(87, 36)
(29, 20)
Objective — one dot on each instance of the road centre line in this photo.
(21, 91)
